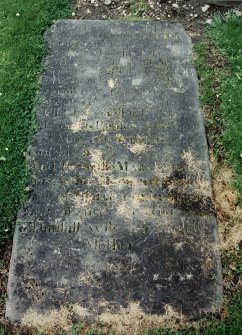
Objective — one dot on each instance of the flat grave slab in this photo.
(120, 209)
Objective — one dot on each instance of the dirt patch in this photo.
(193, 14)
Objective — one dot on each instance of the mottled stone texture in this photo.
(120, 209)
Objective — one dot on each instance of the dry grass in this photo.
(49, 323)
(229, 213)
(199, 184)
(132, 320)
(126, 321)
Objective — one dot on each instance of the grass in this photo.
(227, 36)
(138, 8)
(22, 24)
(221, 91)
(219, 65)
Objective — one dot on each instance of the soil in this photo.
(191, 13)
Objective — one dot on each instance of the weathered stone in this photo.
(107, 2)
(226, 3)
(205, 8)
(121, 208)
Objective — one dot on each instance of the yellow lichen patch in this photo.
(188, 158)
(162, 171)
(61, 199)
(111, 83)
(97, 162)
(138, 148)
(101, 173)
(119, 138)
(69, 181)
(199, 184)
(136, 206)
(103, 178)
(81, 199)
(125, 211)
(133, 320)
(78, 123)
(86, 278)
(100, 169)
(178, 246)
(76, 126)
(131, 181)
(67, 167)
(116, 267)
(146, 211)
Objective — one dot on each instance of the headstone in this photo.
(120, 210)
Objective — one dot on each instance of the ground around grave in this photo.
(192, 14)
(226, 199)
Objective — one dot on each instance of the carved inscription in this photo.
(119, 208)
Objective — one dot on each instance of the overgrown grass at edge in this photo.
(22, 24)
(221, 91)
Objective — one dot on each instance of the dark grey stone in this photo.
(226, 3)
(120, 209)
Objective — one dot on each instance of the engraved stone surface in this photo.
(120, 207)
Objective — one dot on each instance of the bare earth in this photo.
(193, 14)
